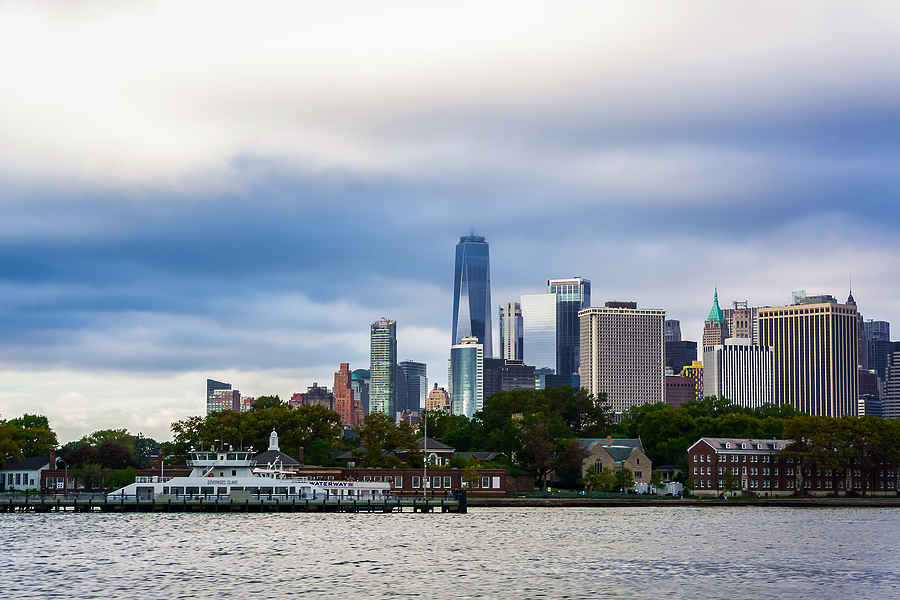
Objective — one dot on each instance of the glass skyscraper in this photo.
(465, 375)
(383, 366)
(572, 295)
(416, 380)
(472, 292)
(539, 330)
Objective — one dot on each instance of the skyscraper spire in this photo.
(850, 299)
(715, 313)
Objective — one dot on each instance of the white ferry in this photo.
(235, 475)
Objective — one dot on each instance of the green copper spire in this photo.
(715, 313)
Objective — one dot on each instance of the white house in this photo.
(24, 474)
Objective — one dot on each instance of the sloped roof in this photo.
(269, 456)
(753, 444)
(32, 463)
(618, 448)
(433, 445)
(715, 313)
(479, 455)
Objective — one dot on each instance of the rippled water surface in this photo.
(489, 553)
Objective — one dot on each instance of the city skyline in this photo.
(246, 218)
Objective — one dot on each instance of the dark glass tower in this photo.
(472, 292)
(572, 295)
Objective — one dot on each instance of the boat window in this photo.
(178, 491)
(191, 490)
(232, 456)
(349, 492)
(237, 488)
(293, 491)
(222, 490)
(265, 490)
(281, 490)
(233, 473)
(376, 478)
(252, 490)
(207, 491)
(165, 490)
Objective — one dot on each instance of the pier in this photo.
(47, 504)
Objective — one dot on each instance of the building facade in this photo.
(572, 295)
(739, 371)
(359, 383)
(815, 356)
(877, 340)
(416, 376)
(502, 375)
(742, 321)
(318, 396)
(472, 292)
(694, 372)
(539, 330)
(673, 331)
(679, 390)
(343, 394)
(224, 399)
(679, 354)
(737, 466)
(214, 404)
(511, 333)
(438, 399)
(616, 454)
(383, 366)
(890, 404)
(715, 328)
(623, 355)
(466, 377)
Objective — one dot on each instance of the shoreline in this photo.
(876, 502)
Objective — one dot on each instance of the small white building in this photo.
(24, 474)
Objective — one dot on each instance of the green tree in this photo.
(119, 478)
(624, 479)
(89, 475)
(603, 480)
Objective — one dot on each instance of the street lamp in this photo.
(162, 466)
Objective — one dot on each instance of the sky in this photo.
(236, 191)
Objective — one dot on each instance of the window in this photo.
(192, 491)
(18, 478)
(177, 491)
(165, 490)
(436, 481)
(233, 473)
(207, 491)
(416, 481)
(281, 490)
(265, 490)
(637, 474)
(221, 491)
(447, 481)
(486, 482)
(398, 481)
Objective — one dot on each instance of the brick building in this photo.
(343, 395)
(679, 390)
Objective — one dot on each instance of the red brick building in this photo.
(758, 467)
(343, 394)
(679, 390)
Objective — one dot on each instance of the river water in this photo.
(735, 552)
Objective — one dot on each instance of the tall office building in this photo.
(673, 331)
(317, 396)
(465, 374)
(862, 348)
(815, 354)
(213, 404)
(572, 295)
(539, 330)
(438, 399)
(739, 371)
(383, 366)
(694, 372)
(877, 340)
(415, 374)
(623, 354)
(502, 375)
(890, 405)
(343, 394)
(680, 354)
(511, 336)
(359, 383)
(222, 399)
(472, 292)
(742, 321)
(715, 329)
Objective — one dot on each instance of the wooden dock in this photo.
(43, 504)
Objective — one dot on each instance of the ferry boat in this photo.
(235, 475)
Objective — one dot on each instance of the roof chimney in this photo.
(53, 460)
(300, 456)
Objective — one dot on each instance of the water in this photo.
(735, 552)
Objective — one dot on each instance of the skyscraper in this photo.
(891, 401)
(416, 377)
(877, 339)
(539, 330)
(715, 328)
(438, 399)
(343, 394)
(673, 330)
(383, 366)
(739, 371)
(623, 354)
(742, 321)
(815, 344)
(501, 375)
(511, 336)
(466, 377)
(472, 292)
(214, 403)
(359, 383)
(572, 295)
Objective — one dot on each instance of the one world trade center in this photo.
(472, 292)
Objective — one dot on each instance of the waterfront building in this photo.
(673, 331)
(740, 372)
(317, 396)
(694, 372)
(211, 386)
(623, 354)
(502, 375)
(742, 321)
(223, 399)
(438, 399)
(679, 354)
(512, 337)
(383, 366)
(741, 466)
(359, 383)
(572, 295)
(715, 328)
(466, 377)
(343, 394)
(25, 474)
(616, 454)
(539, 329)
(679, 390)
(891, 396)
(416, 376)
(815, 346)
(472, 292)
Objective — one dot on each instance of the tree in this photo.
(732, 481)
(266, 402)
(538, 451)
(602, 480)
(29, 435)
(120, 478)
(624, 479)
(90, 475)
(569, 468)
(656, 479)
(471, 476)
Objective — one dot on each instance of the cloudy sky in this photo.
(192, 189)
